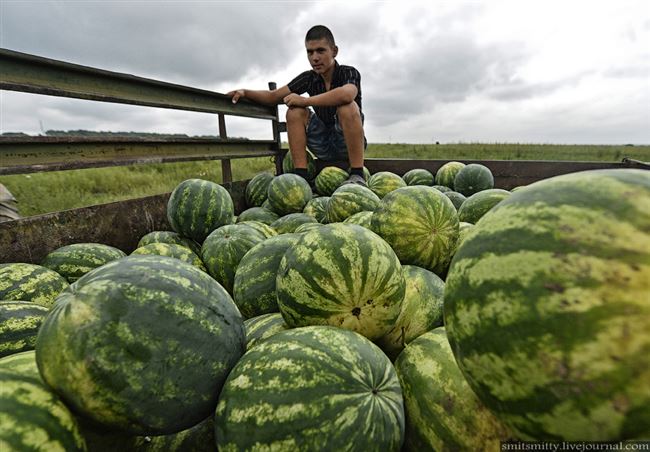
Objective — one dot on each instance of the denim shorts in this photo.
(327, 142)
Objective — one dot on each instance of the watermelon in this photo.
(329, 179)
(361, 218)
(254, 284)
(447, 173)
(19, 324)
(421, 310)
(224, 248)
(287, 165)
(473, 178)
(384, 182)
(317, 208)
(442, 412)
(421, 224)
(258, 214)
(141, 345)
(418, 176)
(29, 282)
(169, 237)
(257, 188)
(463, 230)
(546, 307)
(442, 188)
(288, 193)
(366, 173)
(306, 227)
(342, 275)
(31, 416)
(169, 249)
(350, 199)
(290, 222)
(262, 327)
(456, 198)
(480, 203)
(74, 261)
(197, 207)
(312, 388)
(266, 230)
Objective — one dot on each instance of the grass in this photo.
(39, 193)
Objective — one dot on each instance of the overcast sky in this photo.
(535, 71)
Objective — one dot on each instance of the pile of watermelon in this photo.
(425, 312)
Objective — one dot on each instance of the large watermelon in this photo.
(288, 193)
(197, 207)
(473, 178)
(421, 224)
(19, 324)
(256, 189)
(329, 179)
(266, 230)
(141, 345)
(262, 327)
(29, 282)
(418, 176)
(287, 165)
(172, 250)
(169, 237)
(312, 389)
(74, 261)
(288, 223)
(307, 227)
(546, 307)
(342, 275)
(254, 284)
(32, 417)
(317, 208)
(258, 214)
(225, 247)
(421, 309)
(480, 203)
(442, 412)
(447, 173)
(384, 182)
(456, 198)
(361, 218)
(350, 199)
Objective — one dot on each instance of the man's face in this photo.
(321, 55)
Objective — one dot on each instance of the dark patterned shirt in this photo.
(312, 83)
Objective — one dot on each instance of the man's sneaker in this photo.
(355, 179)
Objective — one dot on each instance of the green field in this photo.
(52, 191)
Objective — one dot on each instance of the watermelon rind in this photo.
(317, 208)
(288, 193)
(262, 327)
(288, 223)
(473, 178)
(19, 324)
(75, 260)
(384, 182)
(168, 237)
(30, 282)
(419, 176)
(329, 179)
(350, 199)
(480, 203)
(256, 189)
(447, 173)
(258, 214)
(172, 250)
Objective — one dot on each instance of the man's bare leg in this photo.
(350, 121)
(297, 118)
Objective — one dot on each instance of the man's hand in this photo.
(294, 100)
(236, 95)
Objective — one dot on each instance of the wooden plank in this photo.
(119, 224)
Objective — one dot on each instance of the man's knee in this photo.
(347, 112)
(297, 114)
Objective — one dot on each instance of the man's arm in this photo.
(267, 97)
(333, 98)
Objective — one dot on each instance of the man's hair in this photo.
(320, 32)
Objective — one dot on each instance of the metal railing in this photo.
(34, 74)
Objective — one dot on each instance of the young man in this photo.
(333, 130)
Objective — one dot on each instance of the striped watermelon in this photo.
(288, 193)
(456, 198)
(473, 178)
(169, 237)
(463, 230)
(384, 182)
(262, 327)
(74, 261)
(418, 176)
(421, 224)
(257, 188)
(307, 227)
(480, 203)
(447, 173)
(421, 310)
(169, 249)
(317, 208)
(329, 179)
(254, 284)
(258, 214)
(350, 199)
(361, 218)
(289, 223)
(31, 416)
(312, 388)
(546, 307)
(142, 345)
(442, 412)
(29, 282)
(197, 207)
(19, 324)
(342, 275)
(266, 230)
(287, 165)
(224, 248)
(442, 188)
